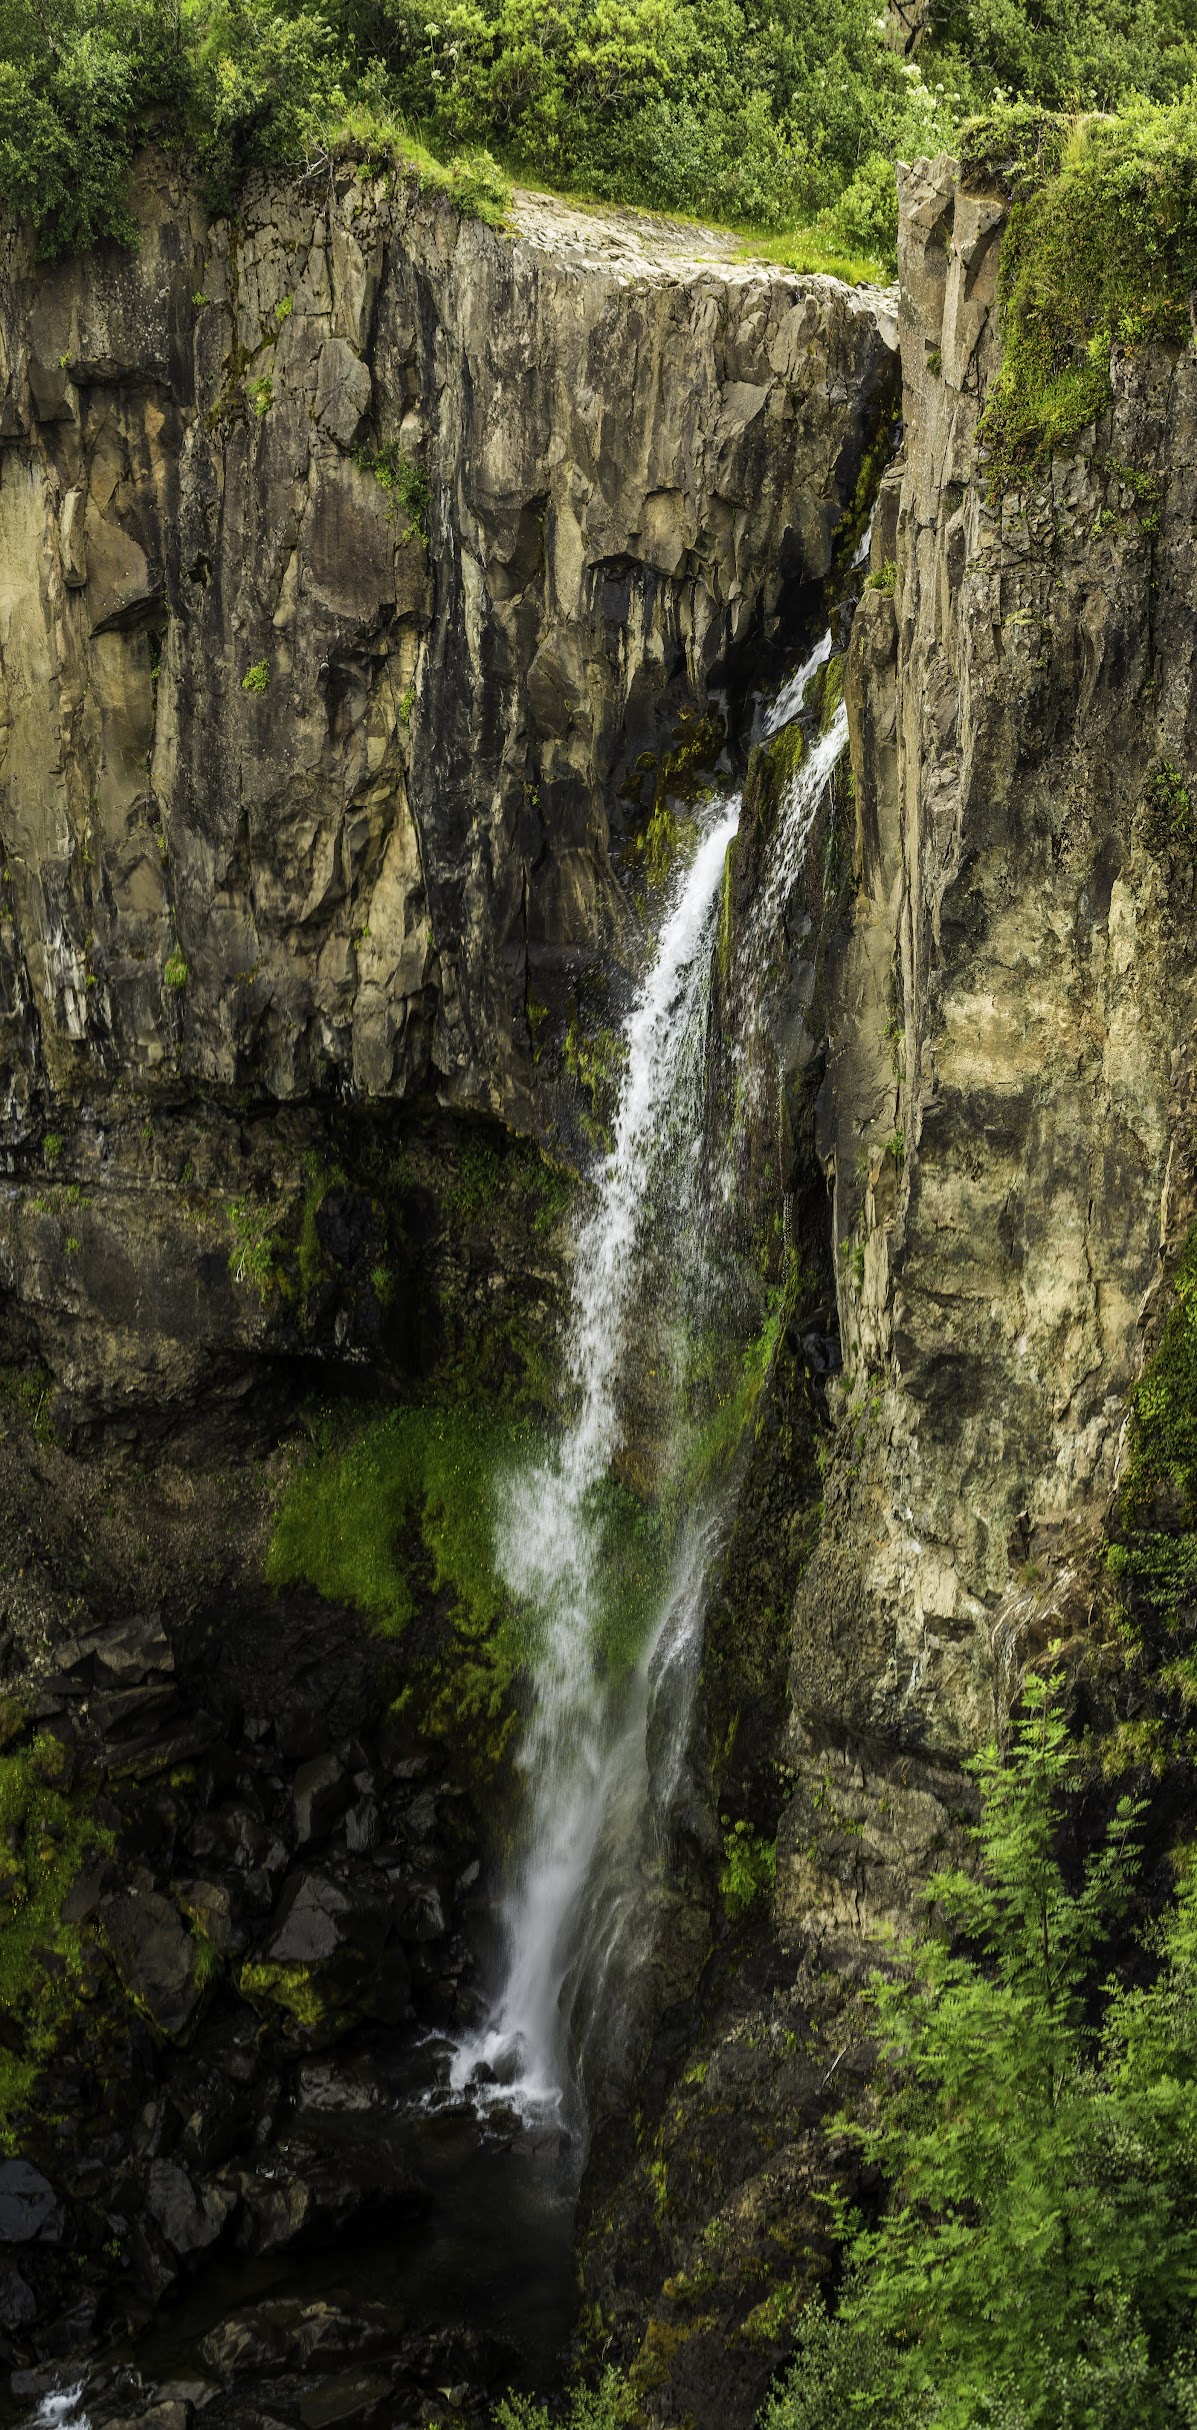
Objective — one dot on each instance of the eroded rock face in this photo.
(1007, 1110)
(293, 797)
(351, 555)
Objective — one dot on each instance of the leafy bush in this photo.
(606, 2407)
(749, 1867)
(1100, 253)
(1036, 2266)
(1070, 54)
(771, 118)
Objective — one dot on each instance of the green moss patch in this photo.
(1100, 254)
(401, 1522)
(46, 1837)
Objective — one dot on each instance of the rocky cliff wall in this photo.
(1006, 1118)
(991, 1014)
(352, 556)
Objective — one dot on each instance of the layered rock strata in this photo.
(358, 562)
(992, 1011)
(1007, 1112)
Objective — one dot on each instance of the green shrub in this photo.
(1075, 54)
(607, 2407)
(398, 472)
(175, 973)
(256, 678)
(749, 1867)
(1100, 253)
(1037, 2126)
(254, 1256)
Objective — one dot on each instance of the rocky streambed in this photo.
(277, 1916)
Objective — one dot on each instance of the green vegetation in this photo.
(724, 1386)
(256, 678)
(395, 470)
(1151, 1561)
(1073, 55)
(46, 1836)
(885, 579)
(785, 122)
(27, 1392)
(749, 1867)
(414, 1487)
(404, 1515)
(254, 1256)
(290, 1988)
(594, 1060)
(175, 974)
(607, 2407)
(1036, 2121)
(401, 1519)
(691, 105)
(1100, 254)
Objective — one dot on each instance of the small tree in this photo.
(1037, 2266)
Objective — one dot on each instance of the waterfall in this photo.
(646, 1274)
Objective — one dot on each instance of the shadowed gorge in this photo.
(596, 1258)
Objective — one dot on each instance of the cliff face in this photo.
(992, 1010)
(363, 863)
(316, 780)
(1007, 1112)
(353, 555)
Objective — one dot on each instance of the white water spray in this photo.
(584, 1748)
(569, 1913)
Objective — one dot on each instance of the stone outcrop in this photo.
(1006, 1116)
(354, 556)
(990, 1009)
(353, 553)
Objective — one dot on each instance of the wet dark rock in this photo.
(323, 1916)
(173, 2414)
(286, 2331)
(361, 1826)
(155, 1957)
(301, 2194)
(30, 2211)
(130, 1651)
(321, 1796)
(132, 1709)
(418, 1911)
(233, 1834)
(303, 1733)
(18, 2303)
(352, 2396)
(189, 2217)
(82, 1899)
(211, 1907)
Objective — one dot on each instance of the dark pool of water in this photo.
(492, 2252)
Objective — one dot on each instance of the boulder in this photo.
(321, 1796)
(189, 2218)
(155, 1957)
(30, 2211)
(211, 1908)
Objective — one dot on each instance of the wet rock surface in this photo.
(361, 686)
(253, 1986)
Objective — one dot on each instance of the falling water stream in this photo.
(571, 1913)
